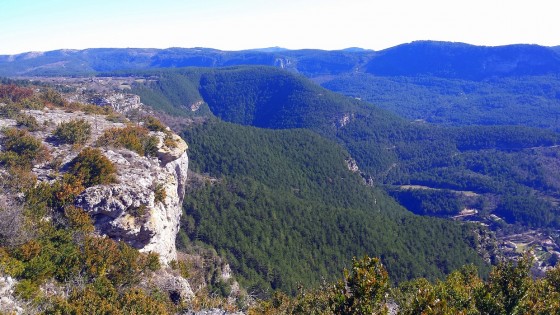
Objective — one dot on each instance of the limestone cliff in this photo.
(143, 206)
(129, 211)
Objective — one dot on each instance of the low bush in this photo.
(14, 93)
(159, 193)
(93, 168)
(51, 98)
(9, 265)
(154, 124)
(27, 121)
(26, 289)
(10, 110)
(73, 132)
(78, 219)
(22, 149)
(134, 138)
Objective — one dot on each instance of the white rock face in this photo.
(8, 303)
(165, 216)
(129, 211)
(178, 287)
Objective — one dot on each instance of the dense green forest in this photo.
(490, 161)
(532, 101)
(285, 210)
(272, 192)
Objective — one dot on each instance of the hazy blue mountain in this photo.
(274, 49)
(441, 59)
(463, 61)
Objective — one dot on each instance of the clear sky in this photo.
(40, 25)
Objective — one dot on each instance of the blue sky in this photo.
(40, 25)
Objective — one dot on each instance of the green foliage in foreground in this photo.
(135, 138)
(286, 210)
(93, 168)
(73, 132)
(510, 289)
(64, 252)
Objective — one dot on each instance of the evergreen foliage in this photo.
(286, 210)
(531, 101)
(134, 138)
(48, 245)
(92, 168)
(21, 148)
(487, 160)
(364, 290)
(73, 132)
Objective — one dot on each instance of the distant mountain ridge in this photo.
(441, 59)
(463, 61)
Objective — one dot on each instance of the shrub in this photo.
(152, 261)
(38, 199)
(122, 264)
(88, 108)
(82, 302)
(40, 268)
(14, 93)
(23, 147)
(52, 98)
(154, 124)
(92, 168)
(100, 297)
(169, 142)
(159, 193)
(151, 146)
(10, 110)
(56, 195)
(73, 132)
(66, 190)
(135, 301)
(181, 266)
(115, 117)
(26, 289)
(139, 211)
(18, 179)
(363, 289)
(100, 255)
(78, 219)
(23, 120)
(134, 138)
(29, 250)
(32, 103)
(9, 265)
(12, 159)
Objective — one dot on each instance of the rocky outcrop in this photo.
(144, 207)
(8, 303)
(213, 311)
(178, 288)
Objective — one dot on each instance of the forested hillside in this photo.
(438, 82)
(284, 204)
(463, 61)
(285, 209)
(526, 101)
(291, 180)
(490, 163)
